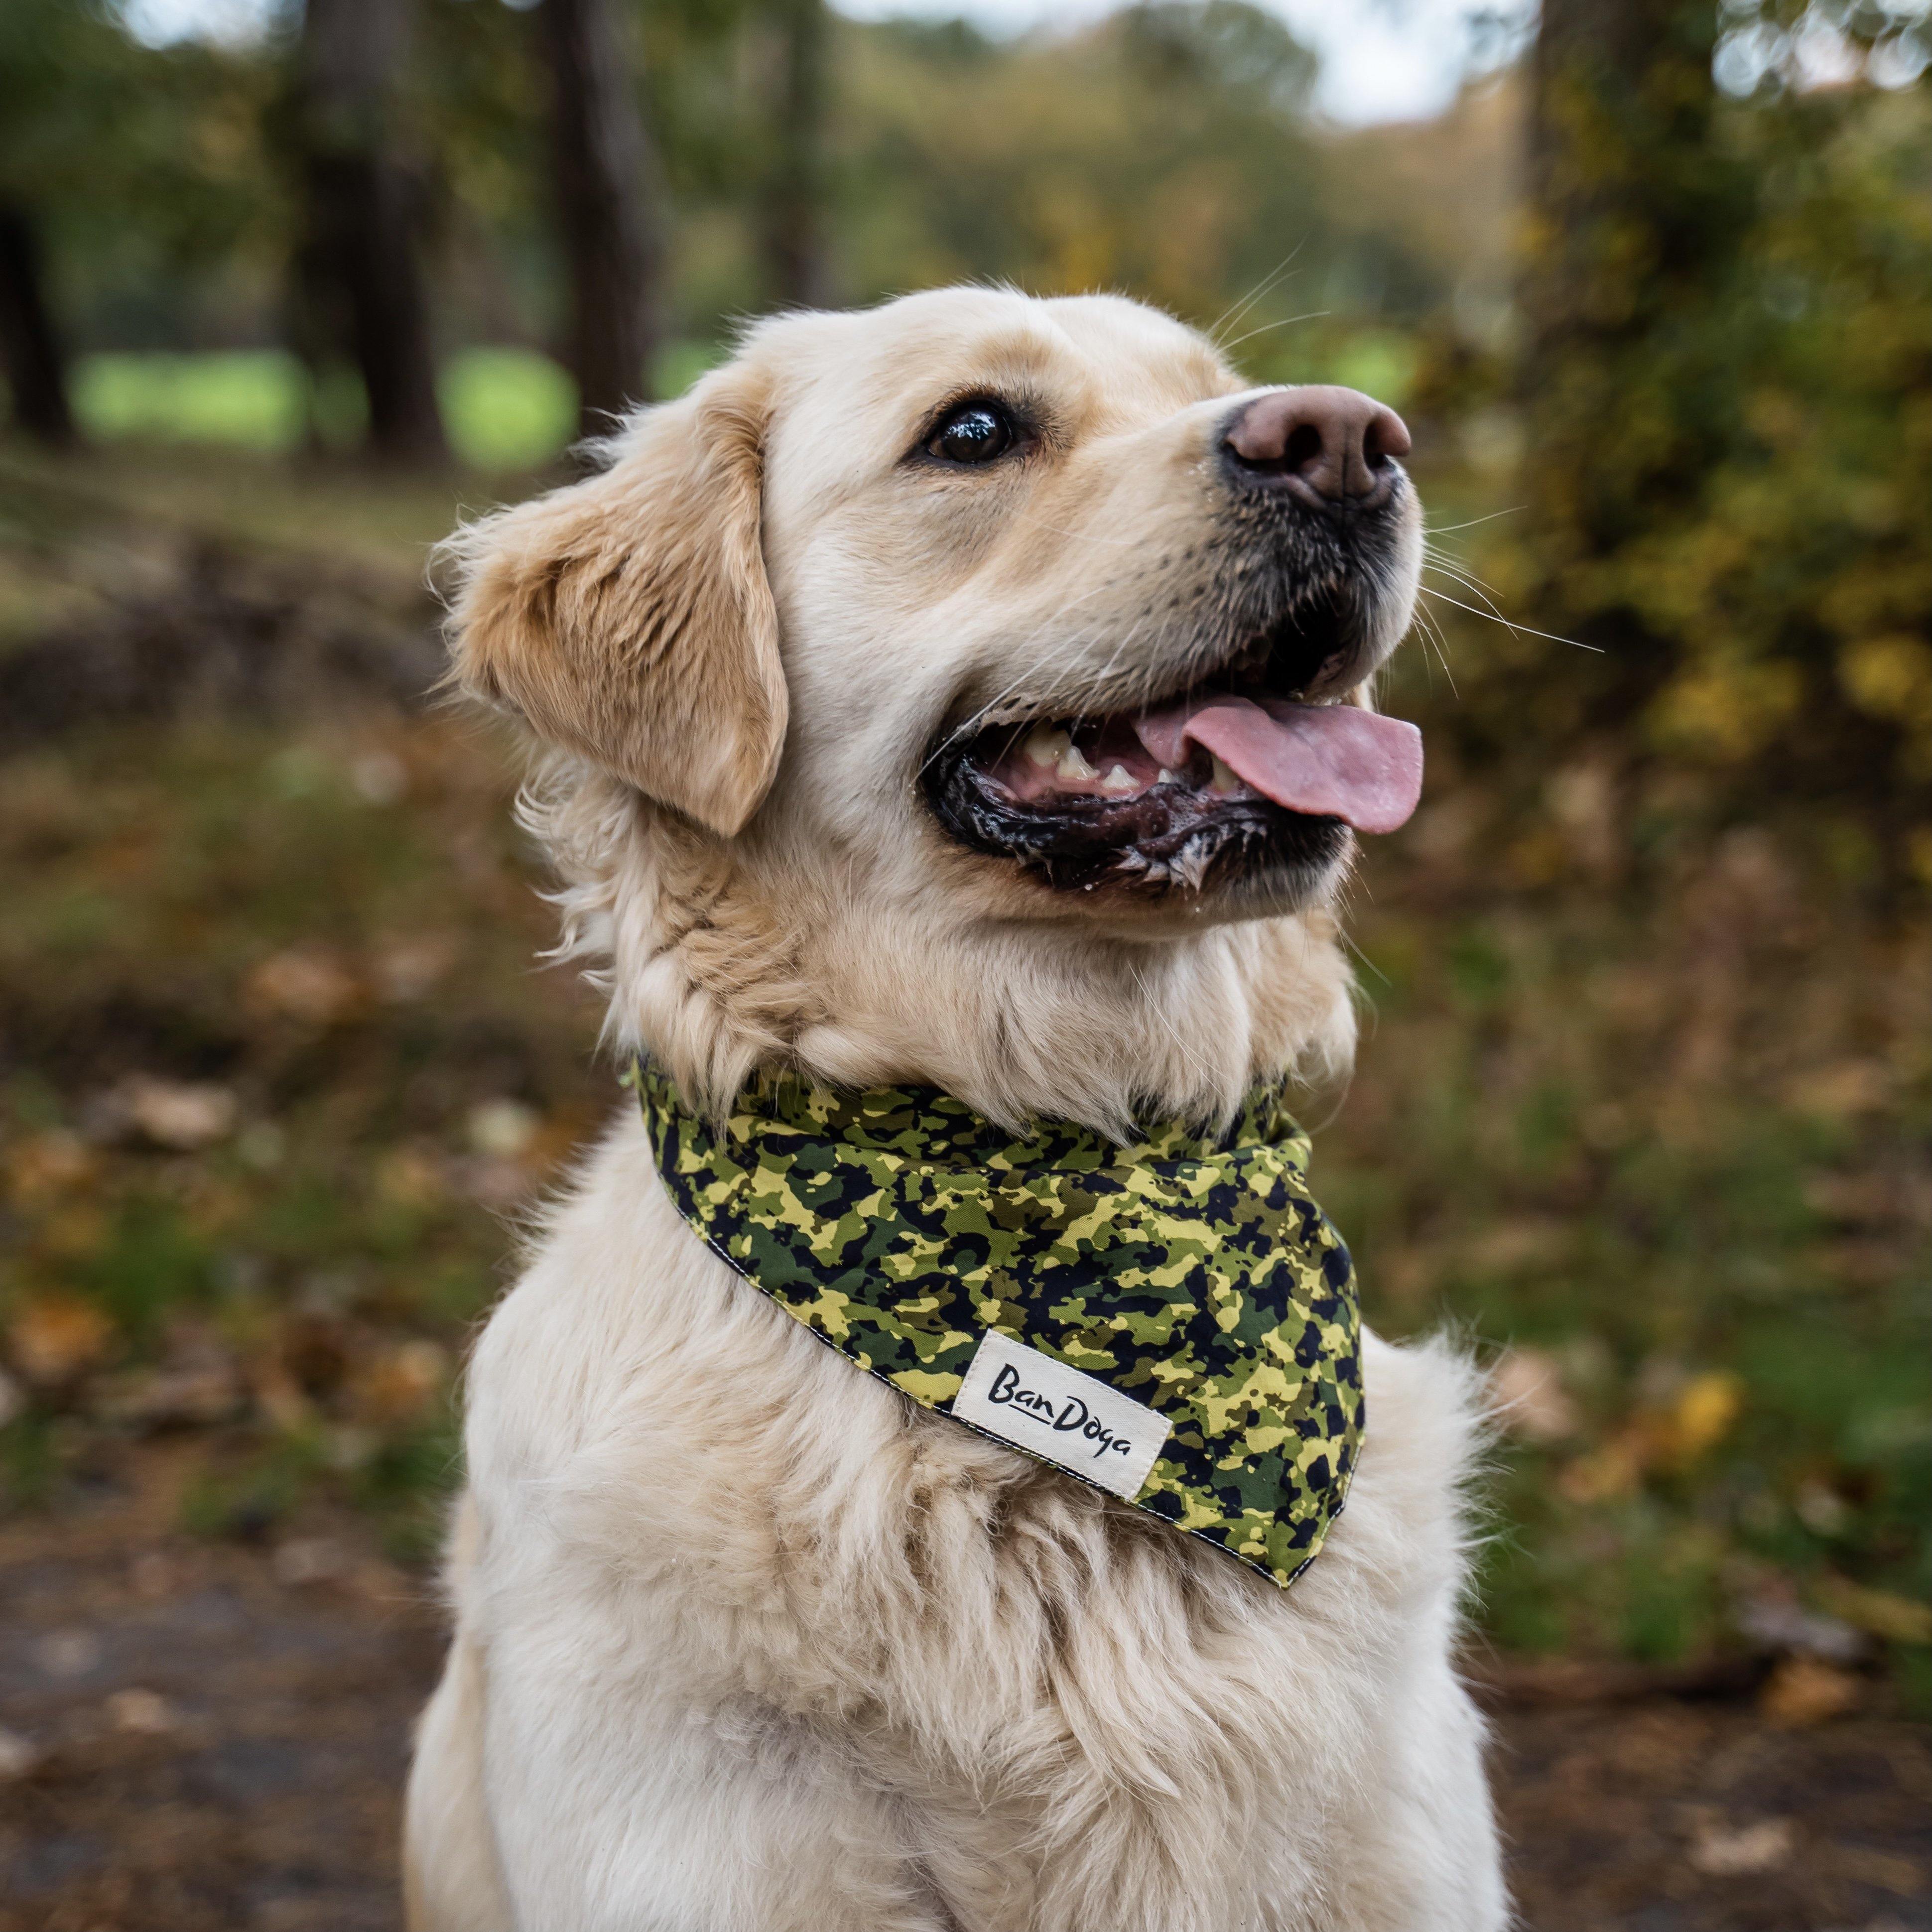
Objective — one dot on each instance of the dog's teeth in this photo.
(1119, 779)
(1071, 765)
(1190, 864)
(1166, 777)
(1045, 746)
(1223, 779)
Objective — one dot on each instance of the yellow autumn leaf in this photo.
(1705, 1410)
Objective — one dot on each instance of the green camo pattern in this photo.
(1194, 1273)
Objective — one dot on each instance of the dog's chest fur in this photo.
(1058, 1703)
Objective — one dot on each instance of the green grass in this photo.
(504, 409)
(251, 398)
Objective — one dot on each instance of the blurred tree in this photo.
(607, 192)
(30, 355)
(1727, 391)
(793, 198)
(1165, 149)
(1636, 216)
(360, 284)
(139, 175)
(608, 198)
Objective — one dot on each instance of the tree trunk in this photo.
(1621, 109)
(794, 201)
(1635, 216)
(606, 188)
(29, 351)
(365, 218)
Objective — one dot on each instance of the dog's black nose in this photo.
(1334, 447)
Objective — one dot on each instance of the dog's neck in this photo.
(708, 974)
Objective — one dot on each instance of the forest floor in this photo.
(202, 1734)
(1641, 1111)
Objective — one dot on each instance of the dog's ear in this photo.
(629, 617)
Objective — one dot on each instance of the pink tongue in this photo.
(1334, 761)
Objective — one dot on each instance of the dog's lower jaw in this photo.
(766, 1651)
(718, 977)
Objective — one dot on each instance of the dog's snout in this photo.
(1332, 447)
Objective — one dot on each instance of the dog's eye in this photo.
(973, 432)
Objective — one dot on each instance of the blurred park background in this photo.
(1642, 1104)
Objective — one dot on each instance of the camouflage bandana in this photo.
(1193, 1277)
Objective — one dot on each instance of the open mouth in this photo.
(1237, 772)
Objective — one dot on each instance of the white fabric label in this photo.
(1072, 1418)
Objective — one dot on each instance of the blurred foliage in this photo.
(1669, 1146)
(1727, 385)
(1166, 148)
(256, 1188)
(1162, 151)
(145, 168)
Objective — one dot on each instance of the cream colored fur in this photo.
(745, 1643)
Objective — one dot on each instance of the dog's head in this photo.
(963, 618)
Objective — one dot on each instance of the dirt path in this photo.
(204, 1736)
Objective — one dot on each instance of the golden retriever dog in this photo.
(870, 672)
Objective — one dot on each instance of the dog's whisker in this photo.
(1453, 566)
(1525, 630)
(977, 719)
(1473, 584)
(1442, 530)
(1286, 322)
(1229, 316)
(1432, 633)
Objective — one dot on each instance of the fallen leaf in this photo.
(411, 969)
(1527, 1393)
(18, 1756)
(43, 1165)
(306, 983)
(1605, 1473)
(380, 777)
(309, 1559)
(145, 1713)
(1778, 1624)
(1820, 1508)
(411, 1177)
(68, 1653)
(55, 1339)
(197, 1387)
(1704, 1412)
(1842, 1091)
(401, 1381)
(1804, 1691)
(181, 1115)
(502, 1130)
(1766, 1846)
